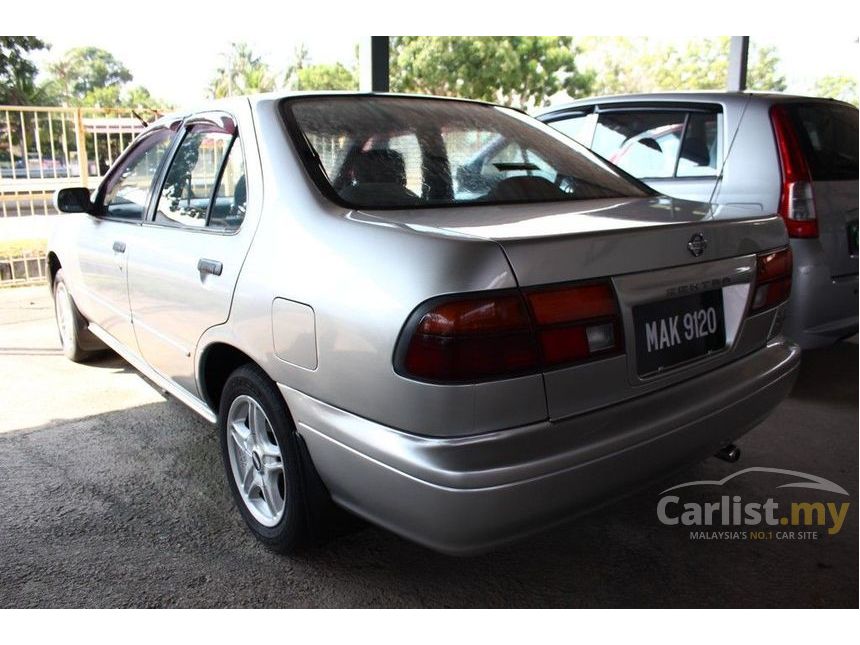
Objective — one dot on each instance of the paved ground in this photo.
(113, 495)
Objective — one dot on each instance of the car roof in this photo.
(267, 97)
(697, 96)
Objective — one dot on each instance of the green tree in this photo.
(302, 75)
(92, 77)
(519, 70)
(763, 70)
(626, 65)
(84, 71)
(327, 77)
(843, 88)
(243, 72)
(140, 97)
(301, 58)
(609, 60)
(700, 64)
(17, 72)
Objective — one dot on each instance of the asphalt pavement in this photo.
(112, 495)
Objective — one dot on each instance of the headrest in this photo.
(380, 167)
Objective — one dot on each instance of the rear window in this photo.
(828, 136)
(400, 152)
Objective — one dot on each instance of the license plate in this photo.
(671, 332)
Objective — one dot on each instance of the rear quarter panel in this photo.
(751, 176)
(362, 277)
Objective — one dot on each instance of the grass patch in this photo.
(19, 248)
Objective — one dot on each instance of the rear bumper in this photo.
(469, 494)
(822, 309)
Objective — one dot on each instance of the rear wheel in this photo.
(259, 448)
(74, 335)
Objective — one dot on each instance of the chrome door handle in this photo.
(119, 247)
(209, 266)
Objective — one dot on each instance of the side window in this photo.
(190, 181)
(228, 209)
(575, 127)
(645, 144)
(701, 148)
(127, 190)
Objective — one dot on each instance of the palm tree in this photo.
(243, 73)
(300, 61)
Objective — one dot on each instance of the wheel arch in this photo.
(217, 361)
(54, 265)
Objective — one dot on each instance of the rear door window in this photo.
(231, 195)
(828, 136)
(187, 190)
(205, 183)
(655, 144)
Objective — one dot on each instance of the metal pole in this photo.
(738, 56)
(81, 143)
(373, 55)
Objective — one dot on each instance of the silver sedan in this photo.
(461, 353)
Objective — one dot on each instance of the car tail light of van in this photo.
(773, 279)
(508, 333)
(796, 200)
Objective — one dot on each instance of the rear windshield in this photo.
(398, 152)
(828, 136)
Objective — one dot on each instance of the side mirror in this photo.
(73, 200)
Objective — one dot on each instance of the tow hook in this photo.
(730, 453)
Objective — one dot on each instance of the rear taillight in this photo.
(773, 279)
(504, 334)
(575, 323)
(471, 339)
(796, 201)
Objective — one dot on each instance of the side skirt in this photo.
(166, 384)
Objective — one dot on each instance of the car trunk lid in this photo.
(662, 257)
(563, 241)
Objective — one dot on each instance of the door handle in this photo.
(119, 247)
(209, 266)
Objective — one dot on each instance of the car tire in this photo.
(78, 342)
(260, 452)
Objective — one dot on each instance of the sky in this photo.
(180, 74)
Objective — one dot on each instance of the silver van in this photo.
(766, 153)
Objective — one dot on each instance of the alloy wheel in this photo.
(256, 461)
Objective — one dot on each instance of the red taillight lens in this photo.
(553, 306)
(471, 339)
(575, 323)
(773, 279)
(796, 201)
(492, 336)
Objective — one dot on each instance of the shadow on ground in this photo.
(130, 508)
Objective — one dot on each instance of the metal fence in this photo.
(27, 269)
(46, 148)
(43, 149)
